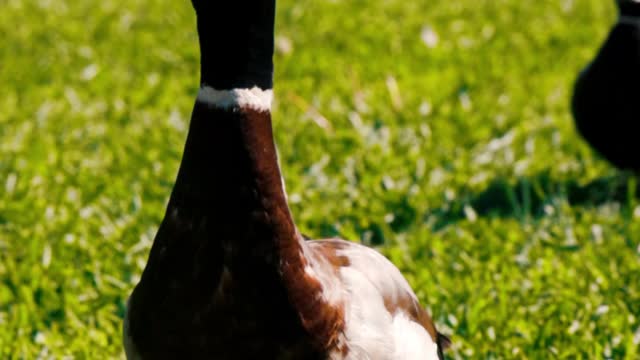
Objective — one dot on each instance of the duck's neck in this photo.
(236, 43)
(229, 180)
(228, 209)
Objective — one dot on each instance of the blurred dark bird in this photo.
(606, 101)
(229, 275)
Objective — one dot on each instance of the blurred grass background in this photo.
(437, 130)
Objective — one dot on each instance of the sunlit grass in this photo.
(436, 130)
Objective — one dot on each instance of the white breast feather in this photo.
(412, 341)
(372, 333)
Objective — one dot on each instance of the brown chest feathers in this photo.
(201, 301)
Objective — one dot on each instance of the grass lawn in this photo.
(438, 131)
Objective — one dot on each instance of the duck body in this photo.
(382, 318)
(605, 99)
(229, 276)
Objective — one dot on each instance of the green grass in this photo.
(459, 160)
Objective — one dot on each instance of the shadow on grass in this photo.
(524, 199)
(527, 197)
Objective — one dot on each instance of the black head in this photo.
(629, 7)
(236, 42)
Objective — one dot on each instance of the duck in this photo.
(229, 275)
(604, 102)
